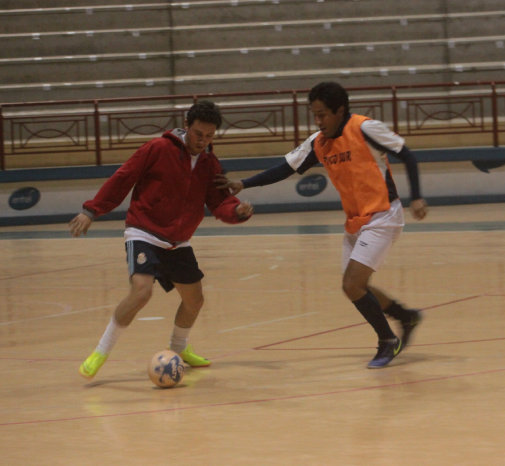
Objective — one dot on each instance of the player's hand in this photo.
(79, 225)
(233, 187)
(418, 208)
(244, 210)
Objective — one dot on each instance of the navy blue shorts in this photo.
(168, 266)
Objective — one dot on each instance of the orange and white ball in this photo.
(166, 369)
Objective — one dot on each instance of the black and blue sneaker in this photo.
(408, 326)
(386, 351)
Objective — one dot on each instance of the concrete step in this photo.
(74, 18)
(311, 31)
(226, 12)
(167, 64)
(84, 42)
(252, 81)
(344, 30)
(40, 4)
(85, 68)
(348, 55)
(229, 11)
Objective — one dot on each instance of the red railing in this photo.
(96, 126)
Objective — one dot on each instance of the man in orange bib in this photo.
(353, 149)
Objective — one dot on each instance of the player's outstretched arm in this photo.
(269, 176)
(79, 224)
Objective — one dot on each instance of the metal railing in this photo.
(97, 126)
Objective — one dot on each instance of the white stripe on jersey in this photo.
(296, 157)
(382, 135)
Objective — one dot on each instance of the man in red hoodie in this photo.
(172, 180)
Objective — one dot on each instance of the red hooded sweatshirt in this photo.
(168, 197)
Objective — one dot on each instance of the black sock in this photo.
(397, 311)
(370, 309)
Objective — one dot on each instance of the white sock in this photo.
(179, 339)
(109, 337)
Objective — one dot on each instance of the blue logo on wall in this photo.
(311, 185)
(24, 198)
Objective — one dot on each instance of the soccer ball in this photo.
(166, 369)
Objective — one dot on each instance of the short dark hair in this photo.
(332, 94)
(206, 111)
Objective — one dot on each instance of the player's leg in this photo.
(141, 289)
(355, 286)
(142, 266)
(409, 318)
(382, 232)
(189, 308)
(180, 269)
(191, 303)
(369, 249)
(140, 292)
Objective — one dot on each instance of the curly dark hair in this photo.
(206, 111)
(332, 94)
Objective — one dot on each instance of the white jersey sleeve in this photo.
(382, 135)
(296, 157)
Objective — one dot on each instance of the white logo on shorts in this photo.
(141, 258)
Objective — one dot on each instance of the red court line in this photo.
(27, 359)
(72, 360)
(469, 298)
(262, 347)
(483, 340)
(43, 272)
(259, 400)
(308, 336)
(460, 342)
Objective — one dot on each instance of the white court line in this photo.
(256, 324)
(60, 314)
(254, 275)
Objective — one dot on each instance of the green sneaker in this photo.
(91, 365)
(193, 359)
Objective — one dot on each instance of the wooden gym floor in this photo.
(289, 383)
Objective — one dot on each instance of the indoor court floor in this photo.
(289, 383)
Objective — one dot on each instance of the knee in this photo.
(352, 289)
(191, 297)
(347, 287)
(142, 293)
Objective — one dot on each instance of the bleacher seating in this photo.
(96, 49)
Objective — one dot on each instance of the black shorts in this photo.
(168, 266)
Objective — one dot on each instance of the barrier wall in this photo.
(455, 176)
